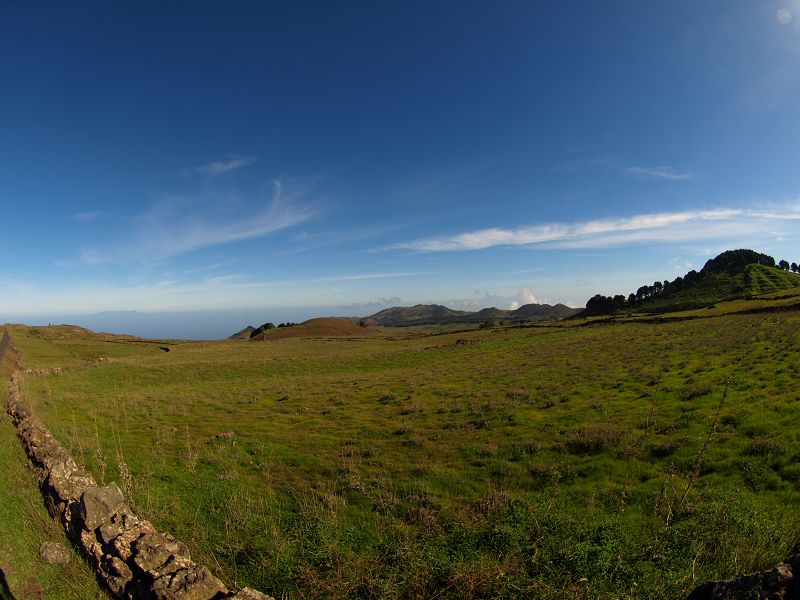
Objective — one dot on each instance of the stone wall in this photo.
(132, 560)
(780, 583)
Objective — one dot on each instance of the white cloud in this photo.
(659, 173)
(526, 296)
(233, 162)
(647, 228)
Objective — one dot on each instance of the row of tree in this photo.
(603, 305)
(266, 326)
(784, 264)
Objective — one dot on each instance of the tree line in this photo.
(266, 326)
(730, 261)
(603, 305)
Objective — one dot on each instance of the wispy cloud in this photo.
(178, 225)
(659, 173)
(373, 306)
(369, 276)
(663, 172)
(233, 162)
(659, 227)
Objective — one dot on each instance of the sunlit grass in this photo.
(536, 461)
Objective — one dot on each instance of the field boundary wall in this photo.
(130, 558)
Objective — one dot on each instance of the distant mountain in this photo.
(435, 314)
(730, 275)
(545, 311)
(421, 314)
(491, 313)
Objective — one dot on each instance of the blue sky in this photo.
(297, 159)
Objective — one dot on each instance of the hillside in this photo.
(435, 314)
(321, 327)
(731, 275)
(243, 334)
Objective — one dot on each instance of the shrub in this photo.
(764, 446)
(594, 440)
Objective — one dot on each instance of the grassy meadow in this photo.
(25, 525)
(631, 460)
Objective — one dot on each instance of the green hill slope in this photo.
(764, 280)
(731, 275)
(752, 280)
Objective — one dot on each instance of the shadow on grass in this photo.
(5, 593)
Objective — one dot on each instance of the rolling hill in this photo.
(243, 334)
(731, 275)
(321, 327)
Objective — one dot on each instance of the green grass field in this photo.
(630, 460)
(25, 525)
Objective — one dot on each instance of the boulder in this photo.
(55, 553)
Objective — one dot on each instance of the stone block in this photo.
(192, 583)
(123, 542)
(98, 504)
(152, 550)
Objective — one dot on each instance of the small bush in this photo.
(690, 391)
(662, 449)
(730, 421)
(764, 446)
(594, 440)
(791, 473)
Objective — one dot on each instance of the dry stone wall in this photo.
(131, 559)
(780, 583)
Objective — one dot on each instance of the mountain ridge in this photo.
(436, 314)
